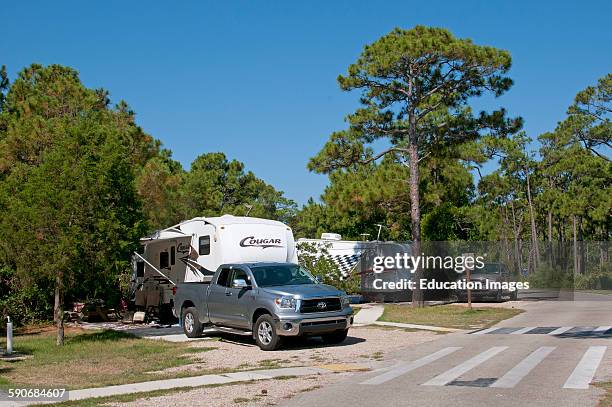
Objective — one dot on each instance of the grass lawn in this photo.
(91, 359)
(448, 316)
(602, 292)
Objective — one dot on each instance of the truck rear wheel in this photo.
(335, 337)
(191, 323)
(265, 333)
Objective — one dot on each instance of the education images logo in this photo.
(459, 264)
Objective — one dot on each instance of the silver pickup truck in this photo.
(267, 300)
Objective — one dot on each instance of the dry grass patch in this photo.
(448, 316)
(606, 401)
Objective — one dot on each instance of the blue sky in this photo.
(257, 80)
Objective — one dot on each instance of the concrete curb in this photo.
(195, 381)
(416, 326)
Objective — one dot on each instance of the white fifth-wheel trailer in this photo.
(191, 251)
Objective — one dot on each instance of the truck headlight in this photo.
(285, 302)
(344, 301)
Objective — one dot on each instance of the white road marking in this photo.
(602, 328)
(516, 374)
(523, 330)
(583, 374)
(485, 331)
(464, 367)
(398, 371)
(559, 331)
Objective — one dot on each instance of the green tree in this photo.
(159, 185)
(67, 168)
(415, 85)
(590, 117)
(215, 186)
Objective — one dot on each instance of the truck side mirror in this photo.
(239, 283)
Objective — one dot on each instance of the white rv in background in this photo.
(344, 253)
(191, 251)
(352, 256)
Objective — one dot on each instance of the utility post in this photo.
(468, 275)
(9, 336)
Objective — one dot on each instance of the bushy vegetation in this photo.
(316, 259)
(80, 183)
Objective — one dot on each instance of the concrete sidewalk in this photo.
(198, 381)
(368, 314)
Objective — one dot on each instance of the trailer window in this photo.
(164, 260)
(204, 245)
(172, 255)
(140, 269)
(223, 278)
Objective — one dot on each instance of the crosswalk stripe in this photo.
(464, 367)
(398, 371)
(583, 374)
(485, 331)
(559, 331)
(602, 328)
(514, 375)
(523, 330)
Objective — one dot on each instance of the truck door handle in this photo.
(229, 293)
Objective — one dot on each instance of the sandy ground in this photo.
(362, 344)
(260, 393)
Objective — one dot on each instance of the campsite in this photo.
(254, 204)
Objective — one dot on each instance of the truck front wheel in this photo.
(265, 333)
(191, 323)
(335, 337)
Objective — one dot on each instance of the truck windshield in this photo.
(268, 276)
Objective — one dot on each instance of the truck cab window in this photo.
(223, 279)
(204, 248)
(241, 275)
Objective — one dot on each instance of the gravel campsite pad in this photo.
(362, 344)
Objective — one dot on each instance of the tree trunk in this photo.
(576, 270)
(415, 217)
(549, 248)
(516, 232)
(415, 201)
(534, 235)
(550, 226)
(58, 309)
(581, 251)
(505, 234)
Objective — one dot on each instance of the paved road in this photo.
(546, 356)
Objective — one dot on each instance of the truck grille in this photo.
(331, 304)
